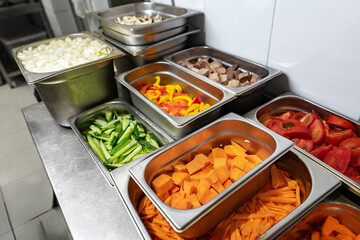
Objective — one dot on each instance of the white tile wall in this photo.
(7, 236)
(198, 5)
(240, 27)
(4, 222)
(316, 44)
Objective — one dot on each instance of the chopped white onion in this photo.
(60, 54)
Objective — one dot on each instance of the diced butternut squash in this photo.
(207, 169)
(179, 177)
(195, 166)
(163, 196)
(197, 176)
(235, 174)
(239, 162)
(180, 168)
(194, 201)
(168, 201)
(203, 158)
(162, 184)
(255, 159)
(342, 229)
(211, 159)
(315, 235)
(181, 203)
(218, 153)
(220, 162)
(227, 183)
(174, 189)
(207, 196)
(189, 188)
(223, 173)
(212, 176)
(218, 187)
(249, 166)
(231, 151)
(238, 147)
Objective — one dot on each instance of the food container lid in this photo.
(34, 77)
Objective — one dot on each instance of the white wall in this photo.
(314, 43)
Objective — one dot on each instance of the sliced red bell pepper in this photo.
(339, 122)
(161, 88)
(307, 145)
(353, 173)
(144, 88)
(196, 99)
(338, 137)
(326, 128)
(317, 132)
(297, 132)
(321, 151)
(298, 116)
(285, 116)
(338, 158)
(355, 157)
(350, 143)
(265, 118)
(308, 119)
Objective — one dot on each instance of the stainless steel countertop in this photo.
(91, 207)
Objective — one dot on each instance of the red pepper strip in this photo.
(144, 88)
(162, 88)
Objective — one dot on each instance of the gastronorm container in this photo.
(293, 102)
(81, 122)
(346, 214)
(69, 91)
(198, 221)
(174, 19)
(175, 126)
(247, 97)
(141, 55)
(315, 184)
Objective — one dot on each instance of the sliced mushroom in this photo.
(220, 70)
(204, 71)
(243, 77)
(234, 83)
(214, 76)
(254, 78)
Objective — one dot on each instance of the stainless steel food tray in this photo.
(175, 126)
(346, 214)
(154, 48)
(139, 39)
(315, 184)
(33, 77)
(293, 102)
(225, 59)
(82, 121)
(196, 222)
(174, 18)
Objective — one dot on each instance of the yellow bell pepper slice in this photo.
(184, 97)
(193, 112)
(192, 108)
(170, 89)
(178, 88)
(157, 83)
(164, 98)
(204, 107)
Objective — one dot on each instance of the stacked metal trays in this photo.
(296, 103)
(175, 126)
(69, 91)
(249, 96)
(315, 182)
(82, 121)
(173, 23)
(347, 215)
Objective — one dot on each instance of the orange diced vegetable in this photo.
(227, 183)
(195, 166)
(179, 177)
(211, 175)
(162, 184)
(255, 159)
(238, 147)
(342, 229)
(218, 154)
(202, 157)
(181, 203)
(223, 173)
(207, 196)
(239, 162)
(315, 235)
(194, 201)
(249, 166)
(189, 188)
(328, 226)
(235, 174)
(218, 187)
(174, 189)
(231, 151)
(180, 168)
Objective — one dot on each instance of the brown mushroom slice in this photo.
(223, 79)
(236, 74)
(215, 64)
(244, 84)
(195, 69)
(232, 68)
(233, 83)
(220, 70)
